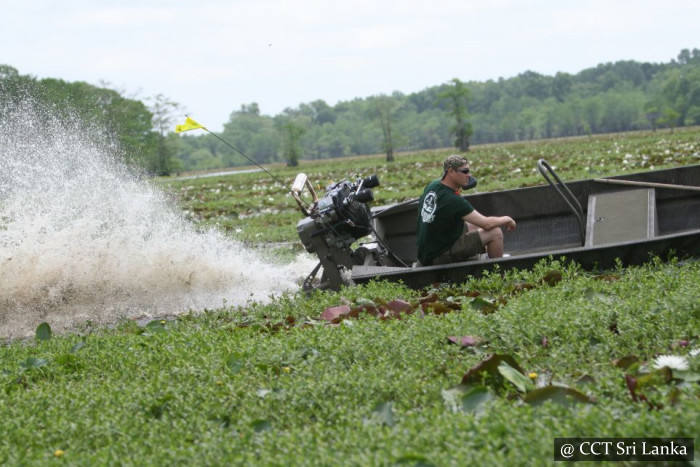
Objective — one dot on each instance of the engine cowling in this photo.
(334, 222)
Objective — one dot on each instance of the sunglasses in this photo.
(464, 171)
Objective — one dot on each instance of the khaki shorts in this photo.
(466, 248)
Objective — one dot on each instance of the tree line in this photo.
(611, 97)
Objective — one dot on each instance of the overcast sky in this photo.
(213, 56)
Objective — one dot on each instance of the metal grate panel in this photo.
(621, 216)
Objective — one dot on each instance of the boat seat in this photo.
(621, 216)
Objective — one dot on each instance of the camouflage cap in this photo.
(454, 161)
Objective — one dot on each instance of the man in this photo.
(449, 228)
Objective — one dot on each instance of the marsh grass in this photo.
(276, 384)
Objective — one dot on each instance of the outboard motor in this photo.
(332, 224)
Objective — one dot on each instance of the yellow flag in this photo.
(188, 125)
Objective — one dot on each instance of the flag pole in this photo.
(190, 124)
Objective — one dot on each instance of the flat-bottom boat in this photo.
(596, 223)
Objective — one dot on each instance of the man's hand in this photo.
(491, 222)
(509, 224)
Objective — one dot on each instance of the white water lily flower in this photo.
(674, 362)
(695, 352)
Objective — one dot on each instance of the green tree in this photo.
(561, 86)
(681, 91)
(292, 131)
(13, 86)
(252, 134)
(652, 113)
(163, 110)
(318, 111)
(592, 109)
(670, 117)
(686, 57)
(457, 96)
(131, 122)
(383, 109)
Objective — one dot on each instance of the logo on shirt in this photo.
(429, 206)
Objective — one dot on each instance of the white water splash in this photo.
(82, 238)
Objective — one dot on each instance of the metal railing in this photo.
(566, 195)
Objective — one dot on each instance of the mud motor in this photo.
(332, 224)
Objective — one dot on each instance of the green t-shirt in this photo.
(440, 223)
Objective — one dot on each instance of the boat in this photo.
(597, 223)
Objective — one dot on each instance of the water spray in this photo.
(84, 239)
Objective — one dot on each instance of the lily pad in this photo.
(77, 346)
(383, 414)
(484, 304)
(465, 398)
(414, 460)
(559, 394)
(488, 366)
(552, 277)
(400, 306)
(260, 426)
(476, 399)
(155, 327)
(686, 375)
(626, 362)
(465, 341)
(235, 362)
(335, 313)
(43, 332)
(32, 362)
(437, 308)
(520, 381)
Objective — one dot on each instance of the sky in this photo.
(212, 57)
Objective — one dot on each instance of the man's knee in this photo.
(488, 236)
(497, 234)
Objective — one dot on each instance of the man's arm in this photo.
(491, 222)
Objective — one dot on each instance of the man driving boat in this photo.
(449, 229)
